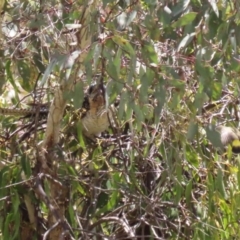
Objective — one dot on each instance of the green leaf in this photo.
(7, 222)
(36, 41)
(96, 55)
(16, 203)
(144, 88)
(216, 90)
(185, 41)
(76, 95)
(160, 95)
(211, 191)
(38, 62)
(185, 19)
(25, 163)
(213, 4)
(188, 193)
(148, 111)
(213, 136)
(10, 78)
(191, 155)
(48, 72)
(180, 7)
(165, 16)
(178, 187)
(112, 70)
(206, 54)
(37, 22)
(117, 61)
(220, 186)
(139, 115)
(149, 53)
(16, 225)
(192, 130)
(131, 17)
(113, 201)
(214, 25)
(124, 44)
(122, 105)
(102, 203)
(71, 214)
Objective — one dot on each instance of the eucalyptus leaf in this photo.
(213, 3)
(185, 41)
(180, 7)
(124, 44)
(131, 17)
(122, 20)
(185, 19)
(192, 130)
(213, 136)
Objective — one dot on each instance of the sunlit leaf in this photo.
(185, 41)
(131, 17)
(122, 20)
(213, 3)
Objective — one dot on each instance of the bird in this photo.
(229, 136)
(95, 119)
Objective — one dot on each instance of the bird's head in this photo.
(95, 98)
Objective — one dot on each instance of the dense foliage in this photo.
(171, 72)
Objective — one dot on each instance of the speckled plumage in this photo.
(96, 118)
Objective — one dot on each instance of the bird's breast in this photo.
(95, 123)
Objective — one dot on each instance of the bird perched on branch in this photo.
(95, 119)
(230, 136)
